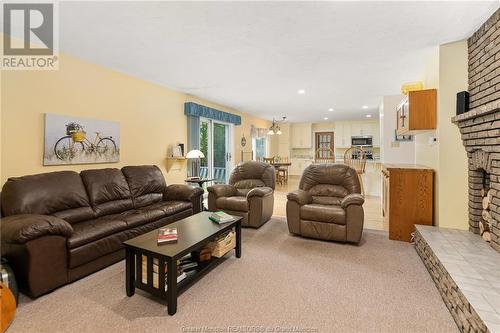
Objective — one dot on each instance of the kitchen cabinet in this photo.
(375, 129)
(417, 112)
(342, 134)
(407, 199)
(344, 130)
(301, 135)
(298, 166)
(338, 135)
(284, 141)
(356, 129)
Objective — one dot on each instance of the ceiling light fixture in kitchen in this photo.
(275, 127)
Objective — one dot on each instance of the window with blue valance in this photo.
(194, 111)
(197, 110)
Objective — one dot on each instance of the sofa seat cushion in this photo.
(237, 203)
(91, 230)
(168, 207)
(323, 213)
(91, 251)
(155, 212)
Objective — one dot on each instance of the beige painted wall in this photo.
(151, 116)
(446, 70)
(453, 185)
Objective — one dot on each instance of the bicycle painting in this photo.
(75, 140)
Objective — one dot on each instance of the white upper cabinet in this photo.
(338, 135)
(356, 129)
(344, 130)
(301, 135)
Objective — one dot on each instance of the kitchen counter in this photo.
(390, 166)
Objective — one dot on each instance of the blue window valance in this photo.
(197, 110)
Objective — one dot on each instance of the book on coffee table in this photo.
(221, 217)
(167, 235)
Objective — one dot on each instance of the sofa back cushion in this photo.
(107, 190)
(61, 194)
(336, 180)
(252, 174)
(146, 184)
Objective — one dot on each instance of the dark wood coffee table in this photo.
(194, 232)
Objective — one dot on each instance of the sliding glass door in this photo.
(215, 139)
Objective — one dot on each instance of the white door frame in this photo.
(229, 145)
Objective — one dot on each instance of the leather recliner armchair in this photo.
(328, 204)
(250, 193)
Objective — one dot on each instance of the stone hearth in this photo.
(465, 271)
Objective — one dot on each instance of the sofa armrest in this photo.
(182, 192)
(300, 196)
(352, 199)
(222, 190)
(19, 229)
(260, 192)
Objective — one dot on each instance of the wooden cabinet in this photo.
(301, 135)
(407, 199)
(417, 112)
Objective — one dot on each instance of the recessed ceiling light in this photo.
(365, 106)
(368, 116)
(330, 109)
(301, 91)
(326, 118)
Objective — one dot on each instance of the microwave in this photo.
(362, 141)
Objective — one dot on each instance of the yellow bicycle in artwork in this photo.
(75, 143)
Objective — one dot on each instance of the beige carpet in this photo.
(281, 282)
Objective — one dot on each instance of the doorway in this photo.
(215, 143)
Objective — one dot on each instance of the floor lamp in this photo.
(194, 156)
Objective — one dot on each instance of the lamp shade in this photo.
(195, 154)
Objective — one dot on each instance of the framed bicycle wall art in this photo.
(75, 140)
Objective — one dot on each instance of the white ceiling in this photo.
(254, 56)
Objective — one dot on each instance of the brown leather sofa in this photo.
(58, 227)
(250, 193)
(328, 204)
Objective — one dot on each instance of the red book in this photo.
(167, 235)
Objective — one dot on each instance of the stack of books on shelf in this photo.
(188, 263)
(221, 217)
(181, 275)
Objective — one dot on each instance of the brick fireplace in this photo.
(480, 131)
